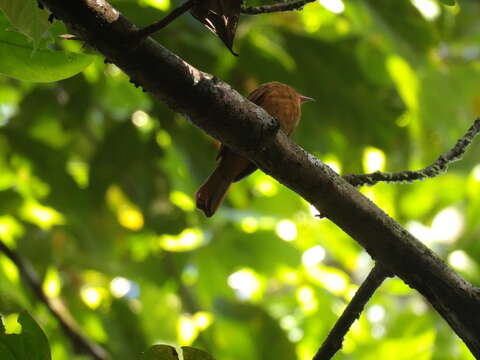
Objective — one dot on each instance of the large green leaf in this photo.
(26, 17)
(30, 344)
(21, 61)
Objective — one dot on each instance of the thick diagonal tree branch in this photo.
(216, 108)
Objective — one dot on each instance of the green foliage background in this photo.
(97, 182)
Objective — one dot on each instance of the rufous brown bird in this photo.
(280, 101)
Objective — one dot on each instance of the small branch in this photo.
(151, 29)
(280, 7)
(433, 170)
(56, 307)
(334, 341)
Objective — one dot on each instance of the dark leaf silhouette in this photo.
(220, 17)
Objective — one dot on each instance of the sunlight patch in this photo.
(286, 230)
(335, 6)
(428, 8)
(245, 282)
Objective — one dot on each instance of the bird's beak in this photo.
(305, 99)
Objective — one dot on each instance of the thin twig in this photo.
(151, 29)
(334, 340)
(280, 7)
(56, 307)
(433, 170)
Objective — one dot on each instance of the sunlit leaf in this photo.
(20, 61)
(26, 17)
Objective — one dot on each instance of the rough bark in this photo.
(213, 106)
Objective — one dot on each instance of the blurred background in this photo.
(97, 184)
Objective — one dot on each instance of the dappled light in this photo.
(245, 283)
(286, 230)
(188, 239)
(52, 283)
(99, 168)
(120, 286)
(91, 296)
(335, 6)
(429, 8)
(373, 160)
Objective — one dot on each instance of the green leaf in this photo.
(30, 344)
(190, 353)
(26, 17)
(20, 61)
(448, 2)
(160, 352)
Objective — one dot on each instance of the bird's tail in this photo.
(211, 194)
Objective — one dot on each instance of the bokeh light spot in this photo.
(428, 8)
(335, 6)
(163, 5)
(330, 278)
(447, 225)
(295, 334)
(43, 216)
(182, 200)
(266, 186)
(52, 283)
(9, 268)
(373, 159)
(375, 313)
(10, 229)
(163, 139)
(188, 239)
(79, 171)
(459, 260)
(130, 218)
(120, 286)
(245, 282)
(420, 231)
(187, 331)
(140, 118)
(249, 224)
(476, 173)
(306, 297)
(286, 230)
(202, 320)
(313, 256)
(91, 296)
